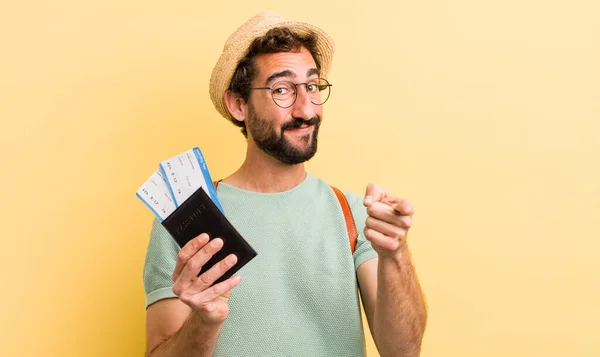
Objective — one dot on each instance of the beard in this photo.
(268, 139)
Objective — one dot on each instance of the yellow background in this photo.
(486, 114)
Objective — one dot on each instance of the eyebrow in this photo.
(288, 73)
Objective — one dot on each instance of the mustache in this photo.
(297, 123)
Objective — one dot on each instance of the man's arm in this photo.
(191, 324)
(392, 297)
(394, 305)
(173, 329)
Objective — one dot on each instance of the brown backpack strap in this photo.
(350, 225)
(216, 183)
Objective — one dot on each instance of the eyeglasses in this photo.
(284, 93)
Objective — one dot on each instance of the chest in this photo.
(300, 245)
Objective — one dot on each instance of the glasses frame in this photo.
(296, 91)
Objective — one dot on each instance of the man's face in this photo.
(287, 134)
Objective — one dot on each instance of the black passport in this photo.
(199, 214)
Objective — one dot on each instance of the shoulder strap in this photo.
(350, 225)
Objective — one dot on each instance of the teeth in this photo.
(303, 126)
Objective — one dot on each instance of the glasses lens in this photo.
(283, 93)
(319, 91)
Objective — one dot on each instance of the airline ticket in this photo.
(176, 179)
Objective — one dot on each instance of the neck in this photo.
(263, 173)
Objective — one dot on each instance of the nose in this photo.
(303, 108)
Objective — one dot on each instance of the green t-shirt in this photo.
(299, 296)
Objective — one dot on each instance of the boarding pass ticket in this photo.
(176, 179)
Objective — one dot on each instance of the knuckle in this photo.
(211, 250)
(182, 256)
(205, 278)
(371, 210)
(217, 289)
(406, 222)
(177, 290)
(224, 265)
(208, 307)
(194, 264)
(208, 249)
(401, 234)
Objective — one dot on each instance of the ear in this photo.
(236, 105)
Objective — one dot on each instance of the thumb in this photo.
(374, 193)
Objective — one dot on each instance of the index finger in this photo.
(188, 251)
(375, 193)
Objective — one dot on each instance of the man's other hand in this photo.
(389, 219)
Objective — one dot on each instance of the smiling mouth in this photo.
(303, 126)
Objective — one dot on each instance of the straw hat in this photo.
(237, 45)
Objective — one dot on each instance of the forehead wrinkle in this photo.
(282, 62)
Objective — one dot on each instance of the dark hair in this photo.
(279, 39)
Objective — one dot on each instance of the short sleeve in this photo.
(159, 264)
(364, 251)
